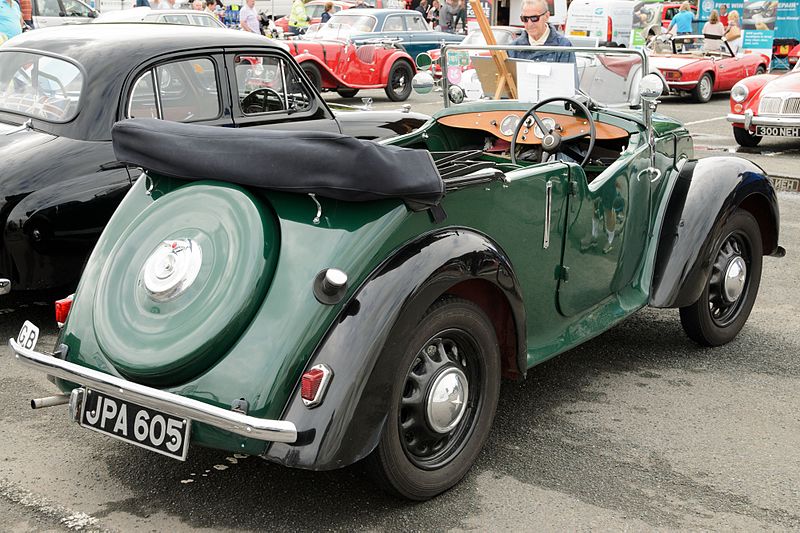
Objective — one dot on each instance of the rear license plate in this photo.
(28, 336)
(778, 131)
(579, 33)
(144, 427)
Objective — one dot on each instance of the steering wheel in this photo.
(552, 139)
(256, 101)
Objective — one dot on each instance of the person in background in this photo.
(733, 33)
(248, 18)
(10, 20)
(211, 7)
(433, 15)
(422, 8)
(298, 18)
(538, 32)
(141, 3)
(326, 15)
(158, 4)
(170, 4)
(723, 14)
(683, 20)
(714, 27)
(460, 16)
(360, 4)
(447, 13)
(27, 12)
(197, 5)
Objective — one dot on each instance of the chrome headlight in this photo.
(739, 93)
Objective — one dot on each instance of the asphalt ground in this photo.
(639, 429)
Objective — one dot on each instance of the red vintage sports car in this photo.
(332, 61)
(698, 66)
(766, 105)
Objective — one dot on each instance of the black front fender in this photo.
(347, 425)
(706, 194)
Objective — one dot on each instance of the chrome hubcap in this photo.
(447, 400)
(172, 268)
(735, 277)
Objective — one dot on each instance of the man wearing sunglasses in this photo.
(538, 32)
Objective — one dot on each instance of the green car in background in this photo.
(319, 300)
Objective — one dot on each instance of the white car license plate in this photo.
(142, 426)
(778, 131)
(28, 336)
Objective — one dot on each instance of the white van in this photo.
(600, 22)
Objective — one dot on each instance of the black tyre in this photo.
(745, 138)
(704, 89)
(398, 87)
(442, 403)
(311, 70)
(347, 93)
(761, 70)
(723, 307)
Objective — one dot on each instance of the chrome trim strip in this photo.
(548, 204)
(240, 424)
(682, 83)
(765, 121)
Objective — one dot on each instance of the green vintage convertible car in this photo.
(363, 302)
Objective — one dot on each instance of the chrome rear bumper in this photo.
(167, 402)
(756, 120)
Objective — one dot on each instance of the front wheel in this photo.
(311, 70)
(398, 86)
(730, 292)
(704, 88)
(442, 401)
(745, 138)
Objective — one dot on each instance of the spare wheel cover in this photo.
(162, 317)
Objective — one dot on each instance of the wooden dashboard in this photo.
(491, 121)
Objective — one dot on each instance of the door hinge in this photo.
(573, 187)
(562, 273)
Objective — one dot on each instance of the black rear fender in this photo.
(388, 306)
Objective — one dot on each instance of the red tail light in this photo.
(62, 309)
(313, 384)
(610, 30)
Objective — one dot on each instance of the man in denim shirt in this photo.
(535, 15)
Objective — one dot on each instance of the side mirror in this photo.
(424, 61)
(651, 87)
(422, 82)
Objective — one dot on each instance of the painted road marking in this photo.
(703, 121)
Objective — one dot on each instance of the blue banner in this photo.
(781, 17)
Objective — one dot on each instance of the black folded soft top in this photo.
(327, 164)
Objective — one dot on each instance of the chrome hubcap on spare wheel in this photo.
(172, 268)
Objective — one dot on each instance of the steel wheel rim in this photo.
(705, 87)
(724, 302)
(452, 352)
(399, 81)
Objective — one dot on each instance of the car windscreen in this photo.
(358, 23)
(607, 77)
(39, 86)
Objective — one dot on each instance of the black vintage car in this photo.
(62, 89)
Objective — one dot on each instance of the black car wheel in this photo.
(347, 93)
(761, 70)
(745, 138)
(398, 87)
(311, 70)
(442, 401)
(723, 307)
(704, 89)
